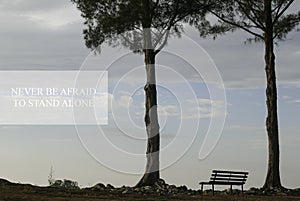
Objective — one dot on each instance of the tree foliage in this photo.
(250, 17)
(122, 22)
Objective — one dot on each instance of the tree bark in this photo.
(151, 174)
(273, 174)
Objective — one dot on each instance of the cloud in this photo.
(168, 110)
(54, 20)
(205, 108)
(117, 103)
(295, 101)
(259, 144)
(99, 99)
(243, 128)
(290, 140)
(290, 99)
(40, 35)
(286, 97)
(257, 135)
(46, 13)
(125, 101)
(32, 5)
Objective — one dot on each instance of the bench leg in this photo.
(242, 188)
(201, 189)
(230, 189)
(213, 189)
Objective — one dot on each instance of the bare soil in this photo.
(24, 192)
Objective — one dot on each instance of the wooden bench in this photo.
(221, 177)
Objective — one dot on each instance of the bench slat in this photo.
(221, 173)
(231, 172)
(228, 175)
(227, 183)
(222, 183)
(226, 179)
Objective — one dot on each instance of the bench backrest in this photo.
(229, 176)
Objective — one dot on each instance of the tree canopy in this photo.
(250, 16)
(121, 22)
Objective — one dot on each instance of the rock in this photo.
(207, 192)
(236, 191)
(4, 182)
(182, 189)
(160, 182)
(294, 192)
(227, 191)
(70, 184)
(57, 183)
(160, 188)
(281, 194)
(147, 188)
(253, 191)
(109, 186)
(97, 187)
(100, 185)
(125, 192)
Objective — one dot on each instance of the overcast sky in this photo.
(47, 35)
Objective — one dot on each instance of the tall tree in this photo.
(144, 26)
(268, 21)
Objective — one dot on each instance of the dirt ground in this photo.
(21, 192)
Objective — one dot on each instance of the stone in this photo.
(159, 188)
(99, 186)
(147, 188)
(125, 192)
(281, 194)
(110, 186)
(4, 182)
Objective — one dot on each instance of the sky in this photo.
(211, 98)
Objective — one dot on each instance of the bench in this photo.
(221, 177)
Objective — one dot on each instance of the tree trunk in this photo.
(273, 174)
(151, 118)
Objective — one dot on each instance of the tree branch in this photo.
(167, 33)
(278, 7)
(154, 7)
(126, 40)
(254, 11)
(257, 7)
(282, 12)
(253, 20)
(173, 21)
(159, 36)
(237, 25)
(290, 24)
